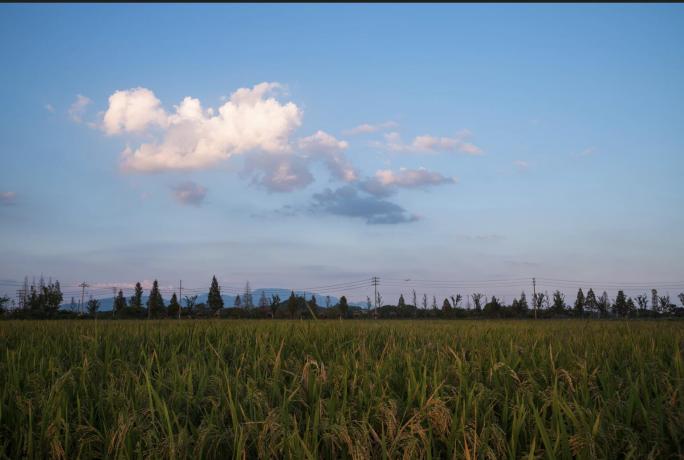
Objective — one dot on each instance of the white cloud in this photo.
(386, 181)
(588, 152)
(431, 144)
(49, 108)
(7, 198)
(133, 110)
(367, 128)
(521, 165)
(78, 108)
(193, 138)
(189, 193)
(324, 146)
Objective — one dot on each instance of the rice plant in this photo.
(341, 389)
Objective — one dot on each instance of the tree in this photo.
(590, 303)
(434, 303)
(292, 304)
(520, 306)
(654, 300)
(415, 299)
(631, 308)
(4, 300)
(136, 300)
(214, 299)
(579, 303)
(493, 307)
(456, 300)
(558, 302)
(247, 296)
(401, 303)
(681, 298)
(52, 294)
(237, 302)
(642, 301)
(379, 299)
(190, 303)
(344, 307)
(174, 306)
(425, 301)
(539, 300)
(313, 305)
(263, 301)
(620, 305)
(369, 304)
(275, 302)
(155, 302)
(603, 304)
(664, 303)
(93, 307)
(477, 300)
(327, 301)
(446, 307)
(119, 304)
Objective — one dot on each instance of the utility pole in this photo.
(83, 287)
(534, 296)
(376, 280)
(180, 297)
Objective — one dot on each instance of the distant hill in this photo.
(107, 303)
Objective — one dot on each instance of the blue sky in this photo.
(438, 142)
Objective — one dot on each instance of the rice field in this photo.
(342, 389)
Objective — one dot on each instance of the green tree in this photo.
(238, 302)
(136, 300)
(247, 296)
(493, 307)
(93, 307)
(603, 304)
(401, 303)
(579, 303)
(214, 299)
(558, 302)
(344, 307)
(190, 302)
(174, 307)
(119, 304)
(446, 307)
(155, 302)
(4, 300)
(620, 305)
(275, 303)
(292, 304)
(590, 303)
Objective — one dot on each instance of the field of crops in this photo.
(341, 389)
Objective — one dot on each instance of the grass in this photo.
(341, 389)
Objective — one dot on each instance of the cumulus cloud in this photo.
(347, 201)
(189, 193)
(385, 182)
(133, 110)
(192, 137)
(431, 144)
(7, 198)
(78, 108)
(49, 108)
(367, 128)
(322, 145)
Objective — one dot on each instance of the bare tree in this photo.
(477, 300)
(415, 299)
(327, 301)
(424, 301)
(456, 300)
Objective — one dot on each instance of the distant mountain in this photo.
(107, 303)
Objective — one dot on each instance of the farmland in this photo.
(342, 389)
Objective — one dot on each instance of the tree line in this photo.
(43, 301)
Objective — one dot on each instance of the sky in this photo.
(315, 145)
